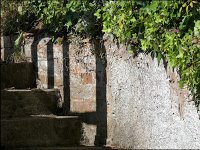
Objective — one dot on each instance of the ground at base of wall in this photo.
(66, 148)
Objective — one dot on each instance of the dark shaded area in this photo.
(65, 108)
(66, 76)
(17, 75)
(98, 118)
(101, 104)
(34, 55)
(24, 103)
(39, 131)
(50, 59)
(50, 64)
(8, 42)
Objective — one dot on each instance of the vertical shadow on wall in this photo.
(6, 48)
(66, 76)
(50, 65)
(34, 55)
(8, 43)
(101, 104)
(99, 117)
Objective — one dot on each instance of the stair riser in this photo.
(18, 75)
(33, 132)
(28, 102)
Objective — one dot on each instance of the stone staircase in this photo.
(28, 114)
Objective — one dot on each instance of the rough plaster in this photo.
(145, 106)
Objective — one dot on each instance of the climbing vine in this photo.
(74, 17)
(169, 30)
(16, 16)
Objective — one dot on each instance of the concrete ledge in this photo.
(40, 131)
(23, 103)
(67, 148)
(18, 75)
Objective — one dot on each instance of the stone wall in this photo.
(147, 108)
(125, 101)
(71, 68)
(23, 72)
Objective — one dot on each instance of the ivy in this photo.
(16, 16)
(169, 29)
(74, 17)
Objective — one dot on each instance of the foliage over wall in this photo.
(170, 30)
(16, 16)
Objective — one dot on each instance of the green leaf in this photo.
(153, 5)
(191, 4)
(97, 13)
(19, 40)
(159, 56)
(69, 24)
(187, 9)
(180, 55)
(185, 4)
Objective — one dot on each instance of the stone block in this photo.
(40, 131)
(42, 51)
(6, 41)
(29, 46)
(81, 105)
(23, 103)
(7, 51)
(87, 78)
(43, 78)
(17, 75)
(87, 91)
(44, 41)
(58, 81)
(58, 51)
(2, 54)
(89, 132)
(43, 64)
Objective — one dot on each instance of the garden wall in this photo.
(124, 101)
(148, 109)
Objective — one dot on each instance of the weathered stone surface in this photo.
(144, 108)
(87, 78)
(83, 92)
(7, 43)
(18, 75)
(82, 147)
(23, 103)
(82, 66)
(81, 105)
(89, 133)
(28, 45)
(40, 130)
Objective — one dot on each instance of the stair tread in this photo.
(67, 148)
(27, 90)
(41, 116)
(25, 102)
(42, 130)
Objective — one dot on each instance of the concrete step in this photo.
(18, 75)
(23, 103)
(66, 148)
(40, 131)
